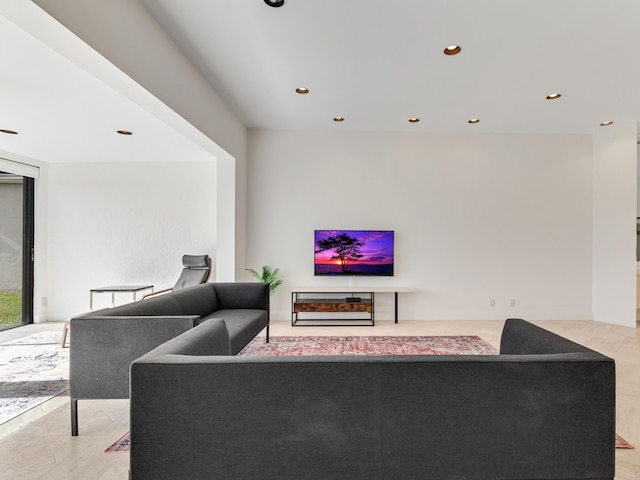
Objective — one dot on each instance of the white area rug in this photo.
(33, 369)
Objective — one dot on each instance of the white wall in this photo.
(128, 36)
(638, 178)
(477, 217)
(117, 223)
(614, 224)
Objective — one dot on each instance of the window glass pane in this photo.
(11, 249)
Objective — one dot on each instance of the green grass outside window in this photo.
(10, 309)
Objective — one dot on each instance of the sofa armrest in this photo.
(252, 295)
(103, 347)
(210, 338)
(520, 337)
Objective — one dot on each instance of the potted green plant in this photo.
(267, 276)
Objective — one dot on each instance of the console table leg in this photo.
(396, 305)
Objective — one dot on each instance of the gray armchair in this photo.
(197, 270)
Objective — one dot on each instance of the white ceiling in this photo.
(378, 63)
(374, 62)
(62, 113)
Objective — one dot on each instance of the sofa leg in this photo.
(267, 333)
(74, 417)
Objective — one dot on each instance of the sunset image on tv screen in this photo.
(354, 252)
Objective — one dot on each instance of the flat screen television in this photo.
(354, 252)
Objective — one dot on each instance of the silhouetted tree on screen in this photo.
(345, 249)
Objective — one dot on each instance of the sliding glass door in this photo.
(16, 250)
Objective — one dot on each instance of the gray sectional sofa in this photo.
(544, 408)
(105, 342)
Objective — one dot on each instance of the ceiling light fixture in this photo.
(338, 119)
(302, 90)
(274, 3)
(452, 50)
(553, 96)
(10, 132)
(414, 120)
(606, 124)
(474, 120)
(124, 132)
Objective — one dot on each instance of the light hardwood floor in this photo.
(43, 448)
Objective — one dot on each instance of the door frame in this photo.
(28, 248)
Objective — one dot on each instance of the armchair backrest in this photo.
(197, 270)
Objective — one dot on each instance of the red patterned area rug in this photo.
(122, 444)
(375, 345)
(622, 443)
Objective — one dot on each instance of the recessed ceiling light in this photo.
(452, 50)
(606, 124)
(414, 120)
(274, 3)
(302, 90)
(124, 132)
(10, 132)
(474, 120)
(553, 96)
(338, 119)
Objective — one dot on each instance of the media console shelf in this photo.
(351, 306)
(332, 308)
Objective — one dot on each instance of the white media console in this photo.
(339, 305)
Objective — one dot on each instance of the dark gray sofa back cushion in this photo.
(252, 295)
(200, 300)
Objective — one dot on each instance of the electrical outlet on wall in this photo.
(492, 302)
(44, 301)
(513, 302)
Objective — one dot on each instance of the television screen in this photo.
(353, 252)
